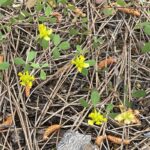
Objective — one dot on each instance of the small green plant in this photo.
(29, 64)
(59, 45)
(95, 117)
(4, 66)
(128, 117)
(95, 99)
(138, 93)
(6, 3)
(80, 62)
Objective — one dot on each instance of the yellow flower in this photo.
(26, 79)
(80, 63)
(44, 32)
(127, 117)
(96, 118)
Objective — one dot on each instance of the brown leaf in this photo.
(27, 91)
(117, 140)
(50, 130)
(130, 11)
(102, 64)
(30, 3)
(58, 16)
(7, 123)
(100, 139)
(1, 59)
(79, 12)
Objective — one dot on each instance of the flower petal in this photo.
(90, 122)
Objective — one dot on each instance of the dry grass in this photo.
(56, 100)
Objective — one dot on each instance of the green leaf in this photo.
(2, 2)
(4, 65)
(62, 1)
(56, 53)
(79, 49)
(138, 93)
(44, 44)
(84, 72)
(31, 55)
(108, 11)
(38, 6)
(5, 3)
(42, 75)
(48, 11)
(35, 65)
(127, 103)
(73, 31)
(91, 62)
(56, 39)
(52, 20)
(113, 115)
(95, 97)
(84, 103)
(109, 107)
(142, 24)
(42, 19)
(121, 2)
(64, 45)
(19, 61)
(44, 65)
(27, 67)
(147, 29)
(146, 47)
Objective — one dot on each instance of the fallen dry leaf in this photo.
(128, 117)
(130, 11)
(30, 3)
(100, 139)
(58, 16)
(79, 12)
(52, 3)
(50, 130)
(1, 59)
(117, 140)
(102, 64)
(7, 123)
(27, 91)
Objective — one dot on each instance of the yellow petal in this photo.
(86, 65)
(73, 62)
(79, 69)
(20, 74)
(98, 123)
(46, 38)
(90, 122)
(82, 58)
(49, 32)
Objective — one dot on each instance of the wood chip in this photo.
(99, 139)
(102, 64)
(131, 11)
(58, 16)
(117, 140)
(79, 12)
(7, 123)
(27, 91)
(50, 130)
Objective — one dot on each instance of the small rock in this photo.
(74, 141)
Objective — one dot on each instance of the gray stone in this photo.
(75, 141)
